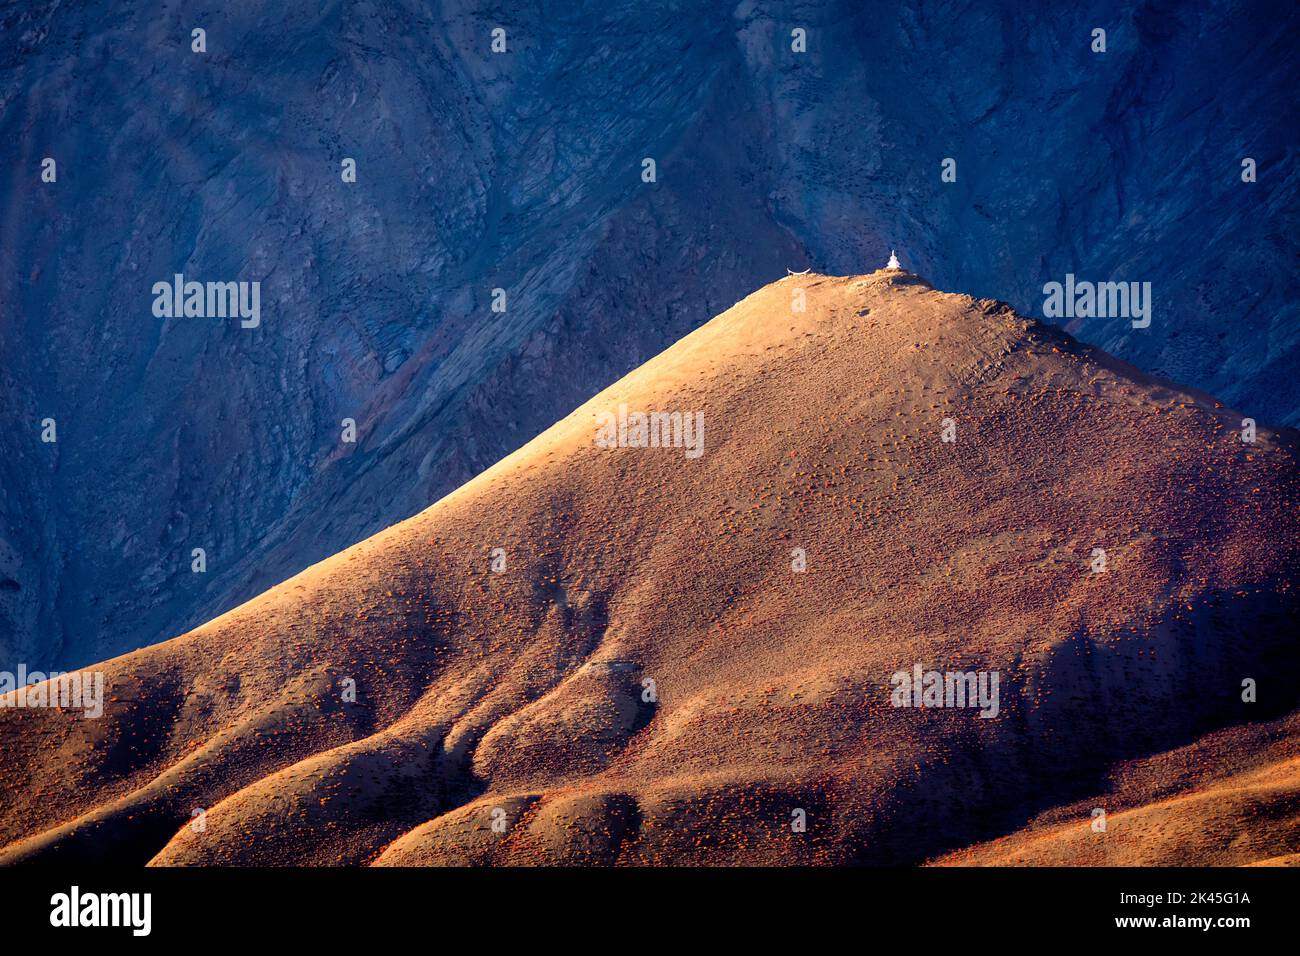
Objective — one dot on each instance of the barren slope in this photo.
(520, 696)
(1230, 799)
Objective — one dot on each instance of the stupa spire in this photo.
(893, 262)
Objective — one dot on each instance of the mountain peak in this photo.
(691, 606)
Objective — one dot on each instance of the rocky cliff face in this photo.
(523, 171)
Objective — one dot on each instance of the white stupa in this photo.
(893, 262)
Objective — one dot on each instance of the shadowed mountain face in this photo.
(522, 171)
(635, 654)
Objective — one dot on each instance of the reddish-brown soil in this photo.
(524, 697)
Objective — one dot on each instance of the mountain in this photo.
(667, 654)
(1228, 799)
(522, 171)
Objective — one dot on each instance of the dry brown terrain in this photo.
(524, 696)
(1230, 799)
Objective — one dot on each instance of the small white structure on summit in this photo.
(893, 262)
